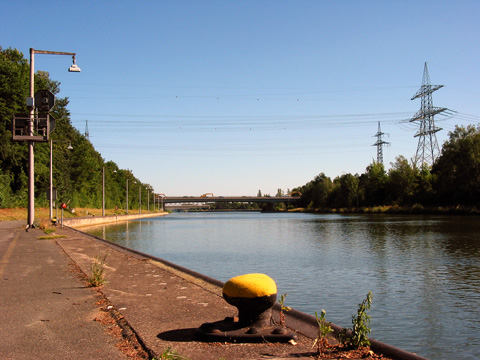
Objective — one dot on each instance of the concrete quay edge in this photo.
(103, 220)
(301, 322)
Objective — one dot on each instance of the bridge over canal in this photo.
(186, 202)
(246, 199)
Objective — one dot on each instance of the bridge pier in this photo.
(269, 206)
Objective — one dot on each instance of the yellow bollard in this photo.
(254, 296)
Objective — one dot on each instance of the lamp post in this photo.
(139, 198)
(51, 171)
(127, 196)
(161, 196)
(103, 189)
(31, 105)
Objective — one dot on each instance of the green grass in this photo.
(51, 237)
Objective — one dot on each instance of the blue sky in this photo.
(232, 97)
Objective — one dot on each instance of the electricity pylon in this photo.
(427, 149)
(379, 144)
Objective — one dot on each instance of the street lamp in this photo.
(161, 196)
(31, 105)
(51, 171)
(103, 189)
(127, 195)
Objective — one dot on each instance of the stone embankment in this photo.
(102, 220)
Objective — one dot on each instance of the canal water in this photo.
(423, 271)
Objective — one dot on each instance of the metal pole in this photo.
(51, 179)
(31, 172)
(31, 162)
(103, 191)
(148, 200)
(127, 196)
(139, 199)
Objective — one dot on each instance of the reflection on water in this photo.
(424, 272)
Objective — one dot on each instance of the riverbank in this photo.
(42, 214)
(394, 209)
(104, 220)
(148, 306)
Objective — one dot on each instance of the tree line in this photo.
(452, 182)
(77, 173)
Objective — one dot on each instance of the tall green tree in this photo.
(345, 192)
(457, 170)
(14, 87)
(315, 194)
(402, 182)
(374, 184)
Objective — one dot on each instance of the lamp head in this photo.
(74, 67)
(69, 147)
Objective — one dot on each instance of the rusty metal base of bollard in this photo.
(230, 330)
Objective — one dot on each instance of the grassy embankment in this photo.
(395, 209)
(42, 214)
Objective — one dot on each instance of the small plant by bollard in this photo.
(283, 308)
(361, 326)
(361, 323)
(96, 277)
(324, 329)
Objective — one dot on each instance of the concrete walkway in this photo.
(46, 310)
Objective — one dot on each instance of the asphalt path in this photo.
(46, 310)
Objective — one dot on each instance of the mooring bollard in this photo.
(254, 296)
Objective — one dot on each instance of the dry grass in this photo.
(42, 214)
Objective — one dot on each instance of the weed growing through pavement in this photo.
(97, 277)
(170, 354)
(46, 226)
(324, 329)
(283, 308)
(51, 237)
